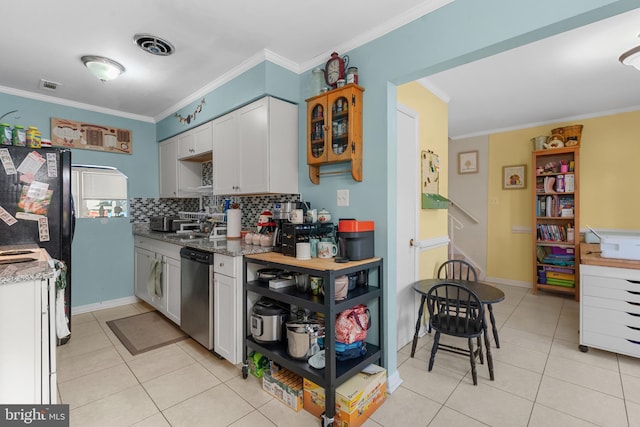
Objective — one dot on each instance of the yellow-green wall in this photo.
(609, 179)
(433, 135)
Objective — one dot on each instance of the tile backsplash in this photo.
(252, 206)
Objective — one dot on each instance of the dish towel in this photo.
(154, 283)
(62, 321)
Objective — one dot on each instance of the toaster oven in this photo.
(166, 223)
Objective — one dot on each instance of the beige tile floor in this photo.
(542, 380)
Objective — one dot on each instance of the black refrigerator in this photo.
(36, 205)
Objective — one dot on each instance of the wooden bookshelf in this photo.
(556, 213)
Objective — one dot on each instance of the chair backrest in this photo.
(457, 269)
(455, 310)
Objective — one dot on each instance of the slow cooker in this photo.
(267, 321)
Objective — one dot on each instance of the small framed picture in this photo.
(468, 162)
(514, 177)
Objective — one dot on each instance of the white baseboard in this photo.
(393, 382)
(104, 304)
(500, 281)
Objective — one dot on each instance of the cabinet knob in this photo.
(221, 264)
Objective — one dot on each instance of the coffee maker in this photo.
(281, 214)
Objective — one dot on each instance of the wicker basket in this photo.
(572, 135)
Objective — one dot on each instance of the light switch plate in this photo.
(343, 198)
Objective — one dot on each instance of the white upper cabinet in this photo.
(176, 176)
(196, 142)
(255, 149)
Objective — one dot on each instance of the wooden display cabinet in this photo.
(556, 213)
(334, 130)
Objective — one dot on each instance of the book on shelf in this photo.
(569, 183)
(551, 232)
(561, 276)
(560, 282)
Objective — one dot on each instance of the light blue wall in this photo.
(263, 79)
(102, 250)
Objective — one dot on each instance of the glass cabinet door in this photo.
(316, 146)
(340, 128)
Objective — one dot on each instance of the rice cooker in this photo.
(267, 321)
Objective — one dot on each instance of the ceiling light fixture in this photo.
(631, 57)
(103, 68)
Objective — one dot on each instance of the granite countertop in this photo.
(38, 269)
(218, 246)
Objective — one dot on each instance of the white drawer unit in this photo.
(610, 309)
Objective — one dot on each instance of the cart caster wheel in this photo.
(325, 422)
(583, 348)
(245, 371)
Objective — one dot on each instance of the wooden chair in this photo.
(458, 269)
(455, 310)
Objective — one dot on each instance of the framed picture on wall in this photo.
(514, 177)
(468, 162)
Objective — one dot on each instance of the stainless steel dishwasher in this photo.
(196, 306)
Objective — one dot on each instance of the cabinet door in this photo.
(168, 167)
(202, 139)
(340, 126)
(316, 135)
(253, 148)
(224, 318)
(225, 163)
(186, 144)
(142, 267)
(171, 275)
(21, 334)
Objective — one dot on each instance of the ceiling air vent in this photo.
(153, 44)
(48, 85)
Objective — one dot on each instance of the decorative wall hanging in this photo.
(468, 162)
(191, 117)
(431, 199)
(72, 134)
(514, 177)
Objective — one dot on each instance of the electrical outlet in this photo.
(493, 200)
(343, 197)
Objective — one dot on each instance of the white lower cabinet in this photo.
(610, 309)
(157, 275)
(28, 337)
(227, 311)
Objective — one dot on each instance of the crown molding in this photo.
(74, 104)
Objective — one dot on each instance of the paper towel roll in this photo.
(234, 223)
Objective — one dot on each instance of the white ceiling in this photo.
(213, 40)
(570, 75)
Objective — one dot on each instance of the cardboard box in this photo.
(285, 386)
(356, 399)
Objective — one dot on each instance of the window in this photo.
(99, 191)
